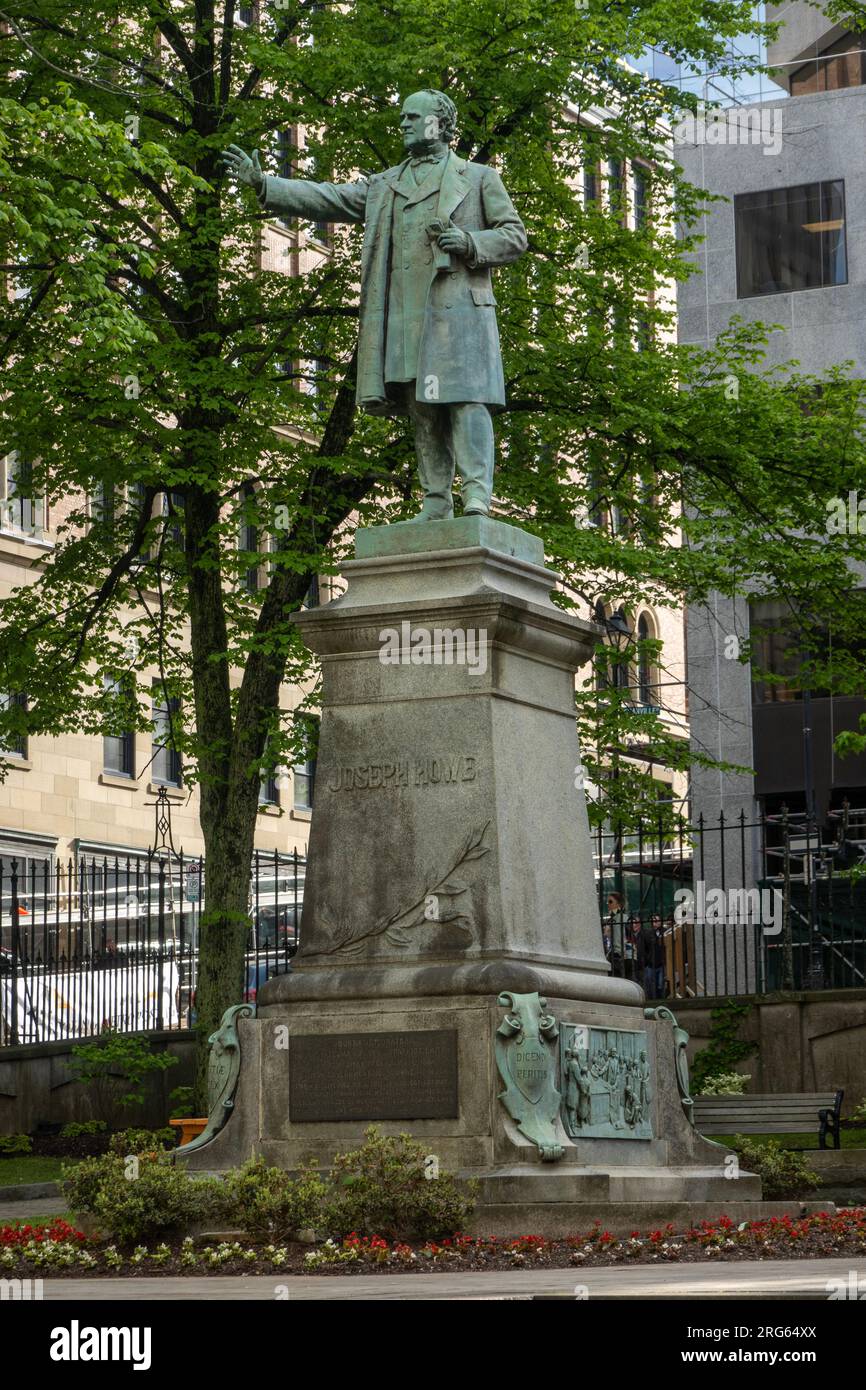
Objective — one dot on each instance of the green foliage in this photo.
(858, 1114)
(116, 1067)
(161, 393)
(136, 1198)
(382, 1189)
(725, 1048)
(783, 1172)
(79, 1129)
(142, 1141)
(725, 1083)
(15, 1144)
(182, 1100)
(269, 1204)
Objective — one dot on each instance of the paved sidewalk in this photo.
(36, 1209)
(738, 1279)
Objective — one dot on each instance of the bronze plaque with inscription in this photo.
(373, 1076)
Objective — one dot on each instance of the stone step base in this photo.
(585, 1185)
(558, 1220)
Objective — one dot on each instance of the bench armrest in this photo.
(829, 1120)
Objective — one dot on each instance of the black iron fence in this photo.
(732, 907)
(735, 906)
(113, 943)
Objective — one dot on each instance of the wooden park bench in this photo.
(777, 1114)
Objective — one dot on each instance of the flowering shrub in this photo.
(269, 1203)
(15, 1144)
(783, 1172)
(382, 1189)
(131, 1201)
(726, 1083)
(142, 1141)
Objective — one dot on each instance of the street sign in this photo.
(192, 889)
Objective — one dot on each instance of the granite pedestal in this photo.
(452, 981)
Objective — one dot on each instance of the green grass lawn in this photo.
(29, 1168)
(851, 1139)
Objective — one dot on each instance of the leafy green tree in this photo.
(151, 362)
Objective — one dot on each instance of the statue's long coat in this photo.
(459, 344)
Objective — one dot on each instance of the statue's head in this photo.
(428, 118)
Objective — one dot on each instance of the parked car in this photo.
(258, 972)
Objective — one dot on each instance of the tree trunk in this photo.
(225, 929)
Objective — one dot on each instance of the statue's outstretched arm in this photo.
(318, 202)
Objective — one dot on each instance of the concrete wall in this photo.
(811, 138)
(36, 1086)
(805, 1041)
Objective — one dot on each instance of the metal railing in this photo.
(708, 909)
(735, 906)
(104, 943)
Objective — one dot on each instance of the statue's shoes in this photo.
(433, 515)
(475, 504)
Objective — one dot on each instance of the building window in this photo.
(305, 770)
(13, 744)
(269, 791)
(103, 506)
(248, 540)
(616, 189)
(166, 768)
(791, 239)
(21, 510)
(590, 180)
(843, 64)
(311, 597)
(245, 15)
(313, 371)
(172, 509)
(641, 197)
(645, 687)
(118, 750)
(777, 653)
(287, 153)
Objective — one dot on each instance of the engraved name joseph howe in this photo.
(428, 342)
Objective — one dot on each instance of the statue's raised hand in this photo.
(246, 169)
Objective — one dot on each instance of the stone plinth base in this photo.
(431, 1068)
(560, 1220)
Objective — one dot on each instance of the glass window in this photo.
(777, 652)
(646, 690)
(248, 540)
(118, 755)
(103, 505)
(590, 181)
(166, 768)
(21, 510)
(305, 770)
(616, 188)
(13, 745)
(172, 508)
(791, 239)
(287, 152)
(269, 791)
(843, 64)
(641, 197)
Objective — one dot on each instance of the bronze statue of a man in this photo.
(428, 344)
